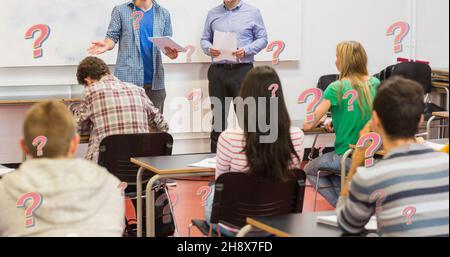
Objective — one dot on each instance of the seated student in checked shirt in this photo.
(112, 107)
(414, 179)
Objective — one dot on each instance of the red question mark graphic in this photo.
(36, 200)
(189, 50)
(274, 88)
(409, 212)
(195, 96)
(122, 186)
(354, 96)
(44, 34)
(404, 28)
(136, 17)
(380, 197)
(276, 55)
(317, 99)
(204, 191)
(40, 143)
(376, 144)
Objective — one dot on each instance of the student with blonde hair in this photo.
(78, 197)
(351, 61)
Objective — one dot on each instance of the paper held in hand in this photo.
(163, 42)
(226, 43)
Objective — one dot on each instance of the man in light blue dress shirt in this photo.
(225, 77)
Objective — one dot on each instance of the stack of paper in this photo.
(332, 221)
(226, 43)
(4, 171)
(209, 163)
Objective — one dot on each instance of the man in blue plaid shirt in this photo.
(139, 62)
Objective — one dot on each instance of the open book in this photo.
(331, 220)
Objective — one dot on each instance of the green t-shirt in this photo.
(347, 125)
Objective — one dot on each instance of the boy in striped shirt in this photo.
(408, 189)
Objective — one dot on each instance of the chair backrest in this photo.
(238, 196)
(116, 152)
(326, 80)
(419, 72)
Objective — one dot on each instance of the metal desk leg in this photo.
(344, 167)
(150, 206)
(139, 201)
(244, 231)
(430, 121)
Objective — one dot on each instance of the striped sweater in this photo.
(231, 156)
(408, 191)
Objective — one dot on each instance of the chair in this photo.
(323, 84)
(421, 73)
(239, 196)
(117, 150)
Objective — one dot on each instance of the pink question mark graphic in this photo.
(44, 34)
(317, 99)
(274, 88)
(36, 200)
(167, 218)
(136, 17)
(189, 50)
(376, 144)
(204, 191)
(40, 143)
(379, 196)
(404, 28)
(354, 96)
(280, 45)
(122, 186)
(409, 213)
(196, 97)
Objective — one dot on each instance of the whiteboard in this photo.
(74, 24)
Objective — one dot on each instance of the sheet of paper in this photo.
(4, 171)
(332, 221)
(226, 43)
(163, 42)
(209, 163)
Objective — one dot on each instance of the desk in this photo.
(436, 115)
(293, 225)
(164, 167)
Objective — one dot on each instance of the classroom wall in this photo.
(324, 24)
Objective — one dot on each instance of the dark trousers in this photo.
(225, 81)
(157, 97)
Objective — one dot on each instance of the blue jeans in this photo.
(330, 180)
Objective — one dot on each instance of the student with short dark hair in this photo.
(79, 198)
(411, 176)
(243, 149)
(112, 107)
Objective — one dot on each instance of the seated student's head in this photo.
(91, 70)
(53, 121)
(351, 60)
(269, 148)
(398, 109)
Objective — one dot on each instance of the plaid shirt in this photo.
(130, 67)
(112, 107)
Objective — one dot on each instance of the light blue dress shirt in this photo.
(245, 20)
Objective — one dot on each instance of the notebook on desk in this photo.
(331, 220)
(4, 170)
